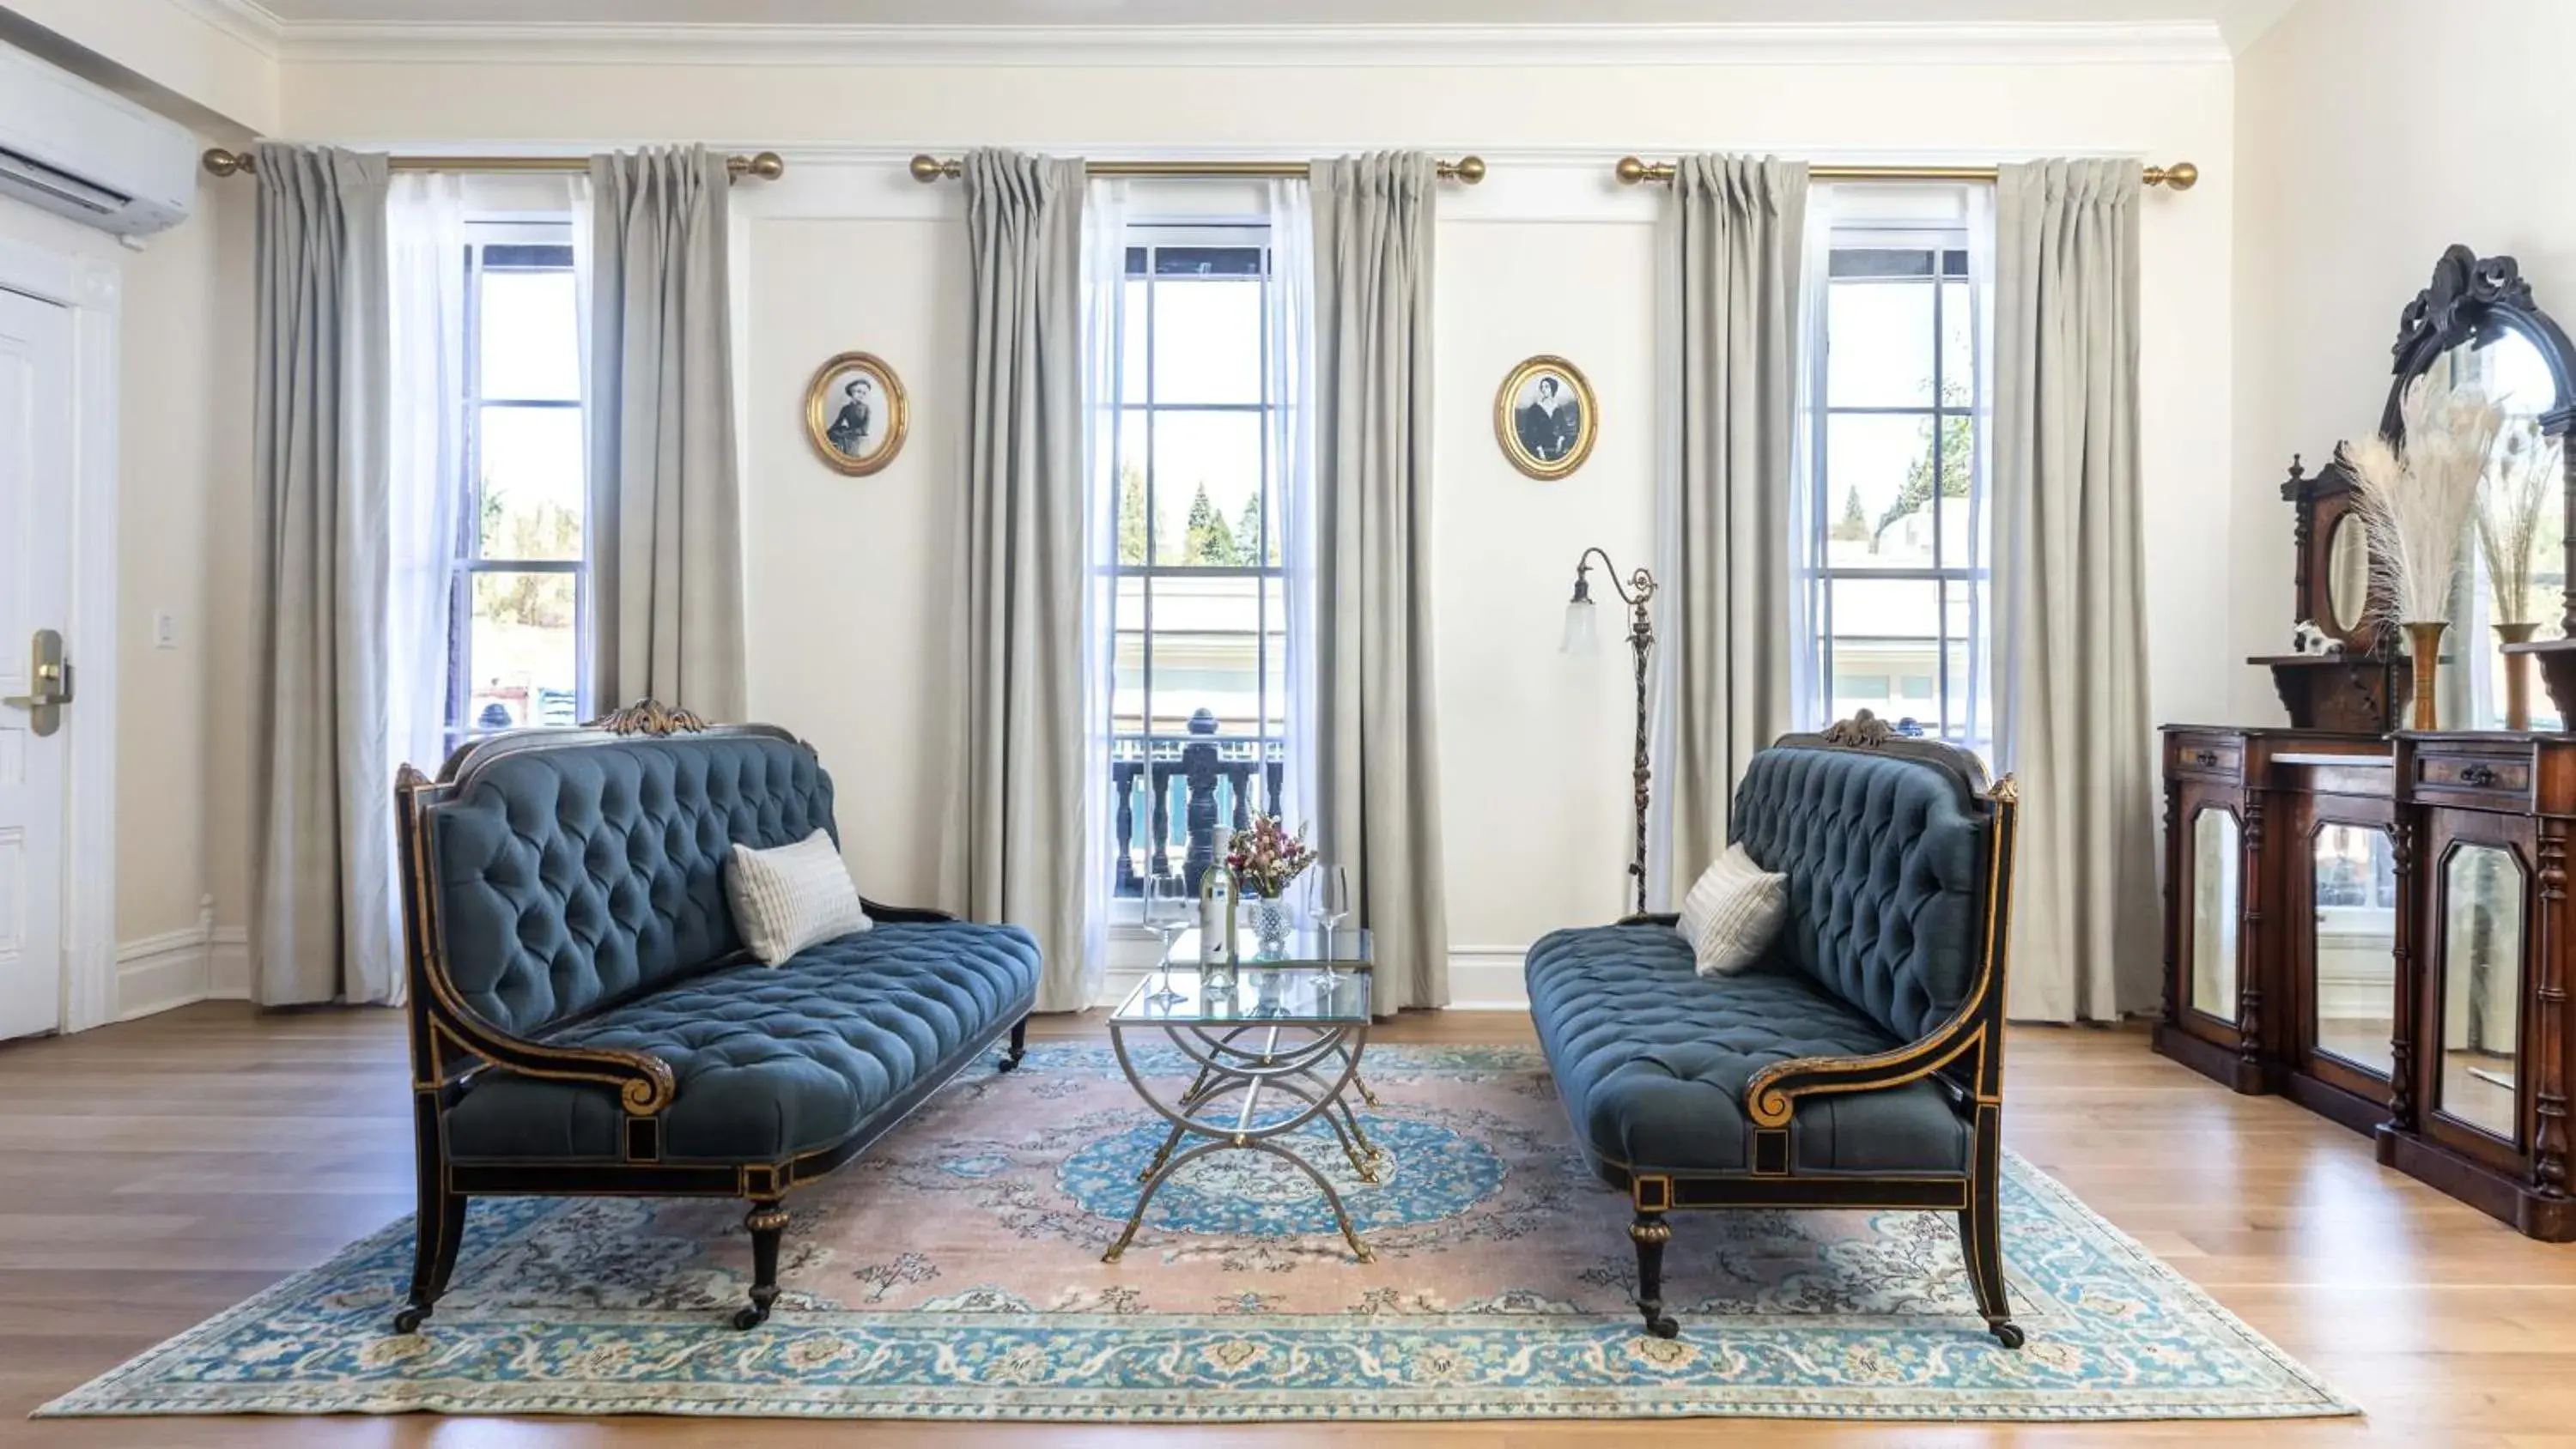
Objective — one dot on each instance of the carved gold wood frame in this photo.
(819, 409)
(1509, 438)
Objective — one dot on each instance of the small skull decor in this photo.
(2307, 638)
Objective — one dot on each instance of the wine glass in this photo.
(1332, 907)
(1166, 915)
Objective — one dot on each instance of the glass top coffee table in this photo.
(1276, 1051)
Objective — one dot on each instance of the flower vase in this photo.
(2517, 674)
(1265, 919)
(2424, 642)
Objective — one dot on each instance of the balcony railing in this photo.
(1178, 798)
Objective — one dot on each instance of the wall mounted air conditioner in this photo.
(71, 148)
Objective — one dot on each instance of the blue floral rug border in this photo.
(144, 1386)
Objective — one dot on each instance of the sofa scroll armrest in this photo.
(645, 1084)
(1770, 1098)
(903, 915)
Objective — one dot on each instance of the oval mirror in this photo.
(2348, 573)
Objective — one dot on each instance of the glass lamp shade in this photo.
(1582, 634)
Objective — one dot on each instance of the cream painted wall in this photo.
(849, 587)
(2371, 134)
(181, 424)
(195, 53)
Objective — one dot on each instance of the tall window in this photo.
(1199, 695)
(515, 630)
(1897, 548)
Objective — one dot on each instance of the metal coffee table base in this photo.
(1314, 1068)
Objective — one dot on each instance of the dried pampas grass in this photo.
(2417, 503)
(2523, 482)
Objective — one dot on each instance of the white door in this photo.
(35, 593)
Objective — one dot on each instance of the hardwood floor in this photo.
(155, 1173)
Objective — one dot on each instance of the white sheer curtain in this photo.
(1288, 332)
(1104, 336)
(425, 231)
(577, 208)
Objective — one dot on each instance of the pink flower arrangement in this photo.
(1266, 856)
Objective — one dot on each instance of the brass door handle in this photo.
(53, 676)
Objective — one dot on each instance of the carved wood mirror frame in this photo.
(2479, 300)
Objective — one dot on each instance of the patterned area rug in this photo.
(956, 1273)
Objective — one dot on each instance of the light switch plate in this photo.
(165, 630)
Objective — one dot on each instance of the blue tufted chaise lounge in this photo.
(1860, 1064)
(584, 1019)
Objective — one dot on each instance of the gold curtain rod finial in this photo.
(1469, 169)
(2181, 176)
(221, 162)
(768, 165)
(927, 169)
(1631, 170)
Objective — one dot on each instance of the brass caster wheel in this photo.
(746, 1319)
(409, 1319)
(1112, 1255)
(2007, 1334)
(1663, 1327)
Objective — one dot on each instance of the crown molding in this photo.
(1429, 46)
(247, 21)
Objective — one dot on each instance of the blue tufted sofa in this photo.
(584, 1019)
(1860, 1065)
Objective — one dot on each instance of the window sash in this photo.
(1863, 257)
(513, 239)
(1145, 746)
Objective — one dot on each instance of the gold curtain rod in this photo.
(768, 165)
(926, 169)
(2181, 176)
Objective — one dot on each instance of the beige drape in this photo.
(323, 912)
(1734, 246)
(1377, 795)
(665, 526)
(2071, 631)
(1023, 798)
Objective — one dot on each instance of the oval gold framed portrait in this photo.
(854, 413)
(1544, 417)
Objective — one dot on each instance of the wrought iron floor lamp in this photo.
(1582, 636)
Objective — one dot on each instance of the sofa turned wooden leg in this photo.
(1019, 1045)
(438, 1228)
(768, 1223)
(1981, 1243)
(1651, 1232)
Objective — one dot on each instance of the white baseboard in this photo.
(157, 973)
(179, 968)
(1481, 978)
(1487, 978)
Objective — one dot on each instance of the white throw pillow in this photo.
(1732, 913)
(789, 898)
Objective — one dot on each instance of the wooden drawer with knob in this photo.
(2211, 756)
(2473, 779)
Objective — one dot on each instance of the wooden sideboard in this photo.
(2376, 927)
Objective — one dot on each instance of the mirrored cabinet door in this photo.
(2356, 947)
(2216, 912)
(2480, 989)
